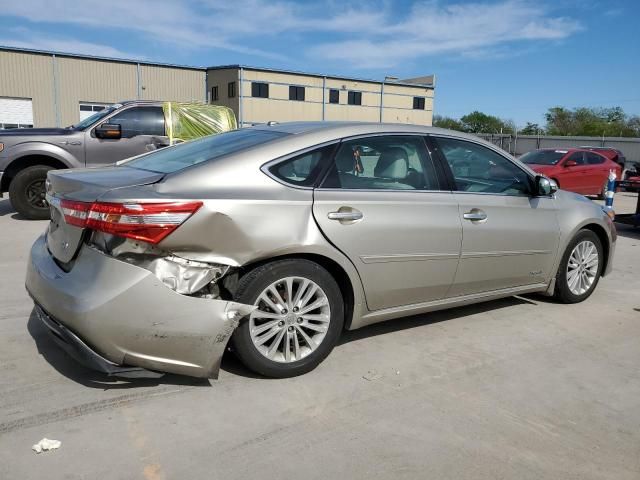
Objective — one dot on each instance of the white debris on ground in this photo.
(46, 444)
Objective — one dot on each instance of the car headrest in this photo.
(393, 163)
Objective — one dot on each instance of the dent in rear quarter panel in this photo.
(240, 232)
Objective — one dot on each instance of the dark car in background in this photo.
(574, 169)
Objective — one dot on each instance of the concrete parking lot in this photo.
(519, 388)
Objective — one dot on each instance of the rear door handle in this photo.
(475, 215)
(345, 215)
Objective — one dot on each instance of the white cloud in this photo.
(431, 28)
(374, 34)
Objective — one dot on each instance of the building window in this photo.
(354, 98)
(334, 96)
(296, 93)
(260, 90)
(89, 108)
(214, 93)
(231, 89)
(418, 103)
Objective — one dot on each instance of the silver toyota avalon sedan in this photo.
(272, 240)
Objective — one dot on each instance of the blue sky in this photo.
(511, 58)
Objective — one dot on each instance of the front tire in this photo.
(27, 192)
(299, 318)
(580, 268)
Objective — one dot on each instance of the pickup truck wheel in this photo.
(27, 192)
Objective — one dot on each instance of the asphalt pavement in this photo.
(520, 388)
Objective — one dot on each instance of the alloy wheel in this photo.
(35, 193)
(291, 321)
(582, 267)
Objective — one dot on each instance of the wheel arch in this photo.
(604, 241)
(338, 273)
(20, 163)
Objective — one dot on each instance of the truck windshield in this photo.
(209, 148)
(94, 118)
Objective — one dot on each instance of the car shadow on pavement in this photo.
(430, 318)
(628, 231)
(7, 209)
(71, 369)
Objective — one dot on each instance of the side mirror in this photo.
(545, 186)
(109, 131)
(570, 163)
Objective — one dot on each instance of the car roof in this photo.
(342, 129)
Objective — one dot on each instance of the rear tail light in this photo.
(148, 222)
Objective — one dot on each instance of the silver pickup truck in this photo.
(119, 131)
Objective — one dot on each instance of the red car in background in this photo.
(574, 169)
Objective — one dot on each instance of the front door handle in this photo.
(475, 215)
(345, 216)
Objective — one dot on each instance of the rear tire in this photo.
(27, 192)
(577, 276)
(603, 194)
(308, 336)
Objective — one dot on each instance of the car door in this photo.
(574, 177)
(143, 130)
(597, 172)
(510, 238)
(382, 205)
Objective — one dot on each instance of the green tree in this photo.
(531, 129)
(559, 121)
(478, 122)
(447, 122)
(583, 121)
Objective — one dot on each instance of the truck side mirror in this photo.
(111, 131)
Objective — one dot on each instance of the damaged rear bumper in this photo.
(112, 316)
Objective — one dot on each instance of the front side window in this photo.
(383, 163)
(305, 168)
(206, 149)
(259, 90)
(543, 157)
(334, 96)
(296, 93)
(354, 98)
(140, 121)
(577, 157)
(478, 169)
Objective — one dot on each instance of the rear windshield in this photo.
(543, 157)
(176, 158)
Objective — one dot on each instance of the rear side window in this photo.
(206, 149)
(305, 168)
(594, 158)
(383, 163)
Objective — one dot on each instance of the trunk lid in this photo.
(84, 185)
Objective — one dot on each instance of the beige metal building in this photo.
(260, 95)
(49, 89)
